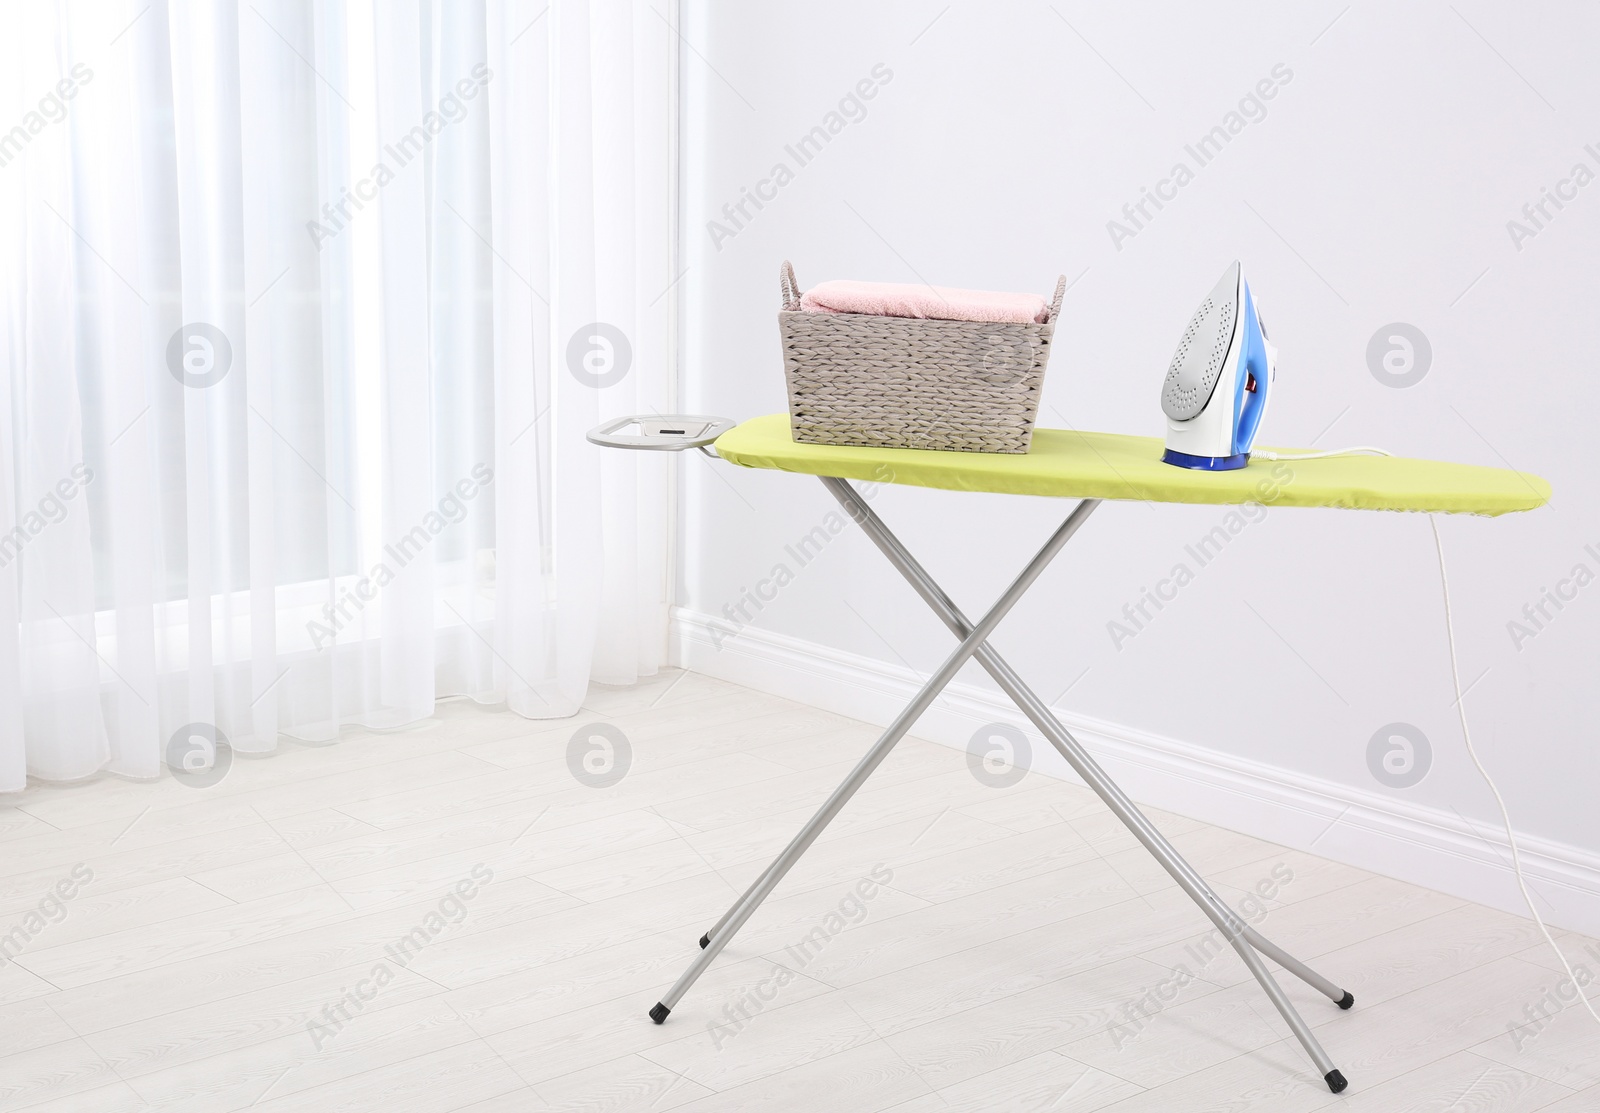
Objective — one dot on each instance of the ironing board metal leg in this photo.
(705, 940)
(1057, 734)
(1299, 969)
(880, 749)
(1243, 938)
(1290, 1014)
(793, 848)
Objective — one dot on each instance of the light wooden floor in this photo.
(1001, 967)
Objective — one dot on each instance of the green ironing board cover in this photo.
(1069, 464)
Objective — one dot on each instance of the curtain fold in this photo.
(307, 307)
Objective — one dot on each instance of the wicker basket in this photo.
(909, 382)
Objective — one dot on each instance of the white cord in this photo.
(1358, 450)
(1461, 710)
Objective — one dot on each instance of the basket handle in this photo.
(1055, 305)
(790, 288)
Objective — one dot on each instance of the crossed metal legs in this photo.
(974, 645)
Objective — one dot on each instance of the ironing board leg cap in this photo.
(1335, 1081)
(659, 1013)
(705, 941)
(1344, 1002)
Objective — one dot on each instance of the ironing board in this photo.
(1089, 467)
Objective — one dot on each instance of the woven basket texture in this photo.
(909, 382)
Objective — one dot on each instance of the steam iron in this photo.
(1216, 387)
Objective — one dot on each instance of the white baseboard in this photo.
(1422, 845)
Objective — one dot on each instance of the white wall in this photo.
(1377, 188)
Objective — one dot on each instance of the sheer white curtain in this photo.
(306, 308)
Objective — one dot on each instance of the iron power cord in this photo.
(1505, 816)
(1358, 450)
(1461, 711)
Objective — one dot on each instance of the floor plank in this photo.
(944, 945)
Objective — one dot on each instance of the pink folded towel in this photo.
(940, 303)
